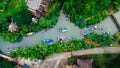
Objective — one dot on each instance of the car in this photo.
(91, 29)
(84, 32)
(30, 33)
(46, 29)
(107, 33)
(48, 41)
(62, 29)
(95, 27)
(66, 16)
(89, 26)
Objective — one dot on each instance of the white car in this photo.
(62, 29)
(30, 33)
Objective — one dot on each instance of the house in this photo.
(84, 63)
(38, 7)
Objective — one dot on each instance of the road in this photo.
(53, 33)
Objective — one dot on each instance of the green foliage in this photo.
(7, 64)
(98, 18)
(117, 4)
(117, 35)
(3, 24)
(86, 9)
(80, 22)
(24, 16)
(51, 16)
(7, 36)
(103, 40)
(10, 7)
(41, 51)
(18, 10)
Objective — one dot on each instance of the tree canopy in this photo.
(24, 16)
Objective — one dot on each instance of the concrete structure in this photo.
(38, 7)
(116, 18)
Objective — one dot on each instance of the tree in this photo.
(117, 35)
(103, 40)
(5, 63)
(86, 9)
(80, 22)
(42, 22)
(3, 24)
(24, 16)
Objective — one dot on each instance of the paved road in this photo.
(73, 31)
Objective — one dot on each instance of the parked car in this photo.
(91, 29)
(95, 27)
(30, 33)
(106, 33)
(89, 26)
(84, 32)
(66, 16)
(62, 29)
(46, 29)
(48, 41)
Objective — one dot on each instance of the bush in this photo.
(117, 35)
(86, 9)
(41, 51)
(98, 18)
(80, 22)
(24, 16)
(103, 40)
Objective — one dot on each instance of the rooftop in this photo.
(34, 4)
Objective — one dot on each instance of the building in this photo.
(84, 63)
(38, 7)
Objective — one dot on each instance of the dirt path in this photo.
(91, 42)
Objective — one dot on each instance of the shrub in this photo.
(41, 51)
(103, 40)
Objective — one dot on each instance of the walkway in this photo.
(73, 31)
